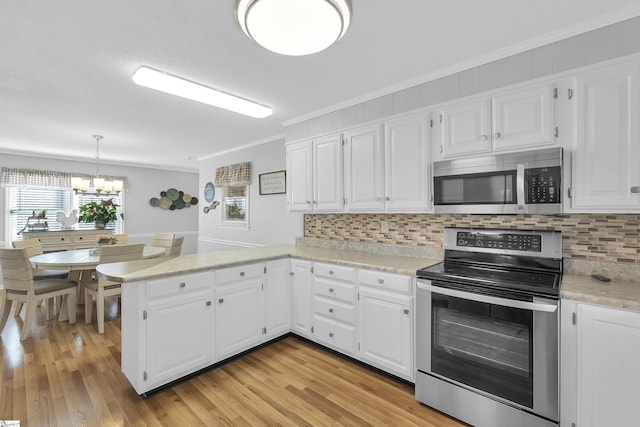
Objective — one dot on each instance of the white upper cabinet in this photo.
(509, 120)
(523, 118)
(465, 128)
(406, 163)
(364, 169)
(314, 175)
(606, 149)
(327, 174)
(299, 178)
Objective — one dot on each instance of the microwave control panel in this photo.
(543, 185)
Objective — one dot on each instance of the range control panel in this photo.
(543, 185)
(516, 242)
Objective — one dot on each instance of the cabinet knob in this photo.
(381, 281)
(221, 300)
(331, 310)
(308, 202)
(330, 289)
(292, 273)
(182, 285)
(242, 274)
(635, 190)
(497, 135)
(208, 303)
(406, 311)
(379, 199)
(483, 137)
(80, 238)
(387, 198)
(331, 334)
(330, 271)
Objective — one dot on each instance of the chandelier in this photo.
(100, 185)
(294, 27)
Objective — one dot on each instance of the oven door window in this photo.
(474, 189)
(488, 347)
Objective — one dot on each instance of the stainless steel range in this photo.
(488, 327)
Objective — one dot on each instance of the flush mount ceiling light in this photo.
(168, 83)
(294, 27)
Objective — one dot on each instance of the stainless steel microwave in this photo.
(508, 183)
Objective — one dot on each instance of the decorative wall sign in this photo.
(273, 182)
(173, 199)
(209, 194)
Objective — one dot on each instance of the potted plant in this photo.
(101, 212)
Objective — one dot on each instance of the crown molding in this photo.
(267, 140)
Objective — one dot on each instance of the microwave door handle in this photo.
(533, 306)
(520, 186)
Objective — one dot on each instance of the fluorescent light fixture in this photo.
(294, 27)
(168, 83)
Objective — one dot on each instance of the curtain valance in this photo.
(44, 178)
(238, 174)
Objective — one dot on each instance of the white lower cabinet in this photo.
(600, 367)
(278, 298)
(301, 297)
(240, 303)
(385, 322)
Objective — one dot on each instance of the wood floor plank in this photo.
(69, 375)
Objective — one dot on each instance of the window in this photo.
(235, 206)
(23, 200)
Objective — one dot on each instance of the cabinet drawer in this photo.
(383, 280)
(178, 285)
(347, 274)
(337, 335)
(234, 274)
(55, 239)
(334, 290)
(335, 310)
(89, 238)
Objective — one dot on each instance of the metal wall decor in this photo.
(209, 194)
(173, 199)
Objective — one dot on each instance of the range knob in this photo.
(461, 242)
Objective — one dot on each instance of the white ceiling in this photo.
(66, 66)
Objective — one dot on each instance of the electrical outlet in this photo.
(384, 226)
(319, 224)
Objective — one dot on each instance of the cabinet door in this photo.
(278, 297)
(364, 169)
(523, 118)
(179, 335)
(299, 177)
(386, 331)
(327, 174)
(466, 128)
(239, 316)
(301, 284)
(608, 366)
(406, 164)
(606, 151)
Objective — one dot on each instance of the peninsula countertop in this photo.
(136, 271)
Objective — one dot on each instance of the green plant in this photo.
(103, 211)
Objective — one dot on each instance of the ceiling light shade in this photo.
(100, 185)
(294, 27)
(173, 85)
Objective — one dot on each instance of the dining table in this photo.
(80, 263)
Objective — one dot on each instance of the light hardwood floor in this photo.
(69, 375)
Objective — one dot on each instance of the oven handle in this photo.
(533, 306)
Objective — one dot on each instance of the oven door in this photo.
(503, 348)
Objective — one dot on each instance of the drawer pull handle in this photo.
(381, 281)
(242, 274)
(182, 285)
(331, 310)
(635, 190)
(331, 334)
(330, 271)
(221, 300)
(331, 290)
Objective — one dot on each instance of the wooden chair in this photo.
(101, 288)
(176, 248)
(19, 286)
(163, 240)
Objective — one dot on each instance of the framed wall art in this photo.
(273, 182)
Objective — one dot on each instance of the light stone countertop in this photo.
(136, 271)
(616, 293)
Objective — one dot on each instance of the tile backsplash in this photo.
(590, 237)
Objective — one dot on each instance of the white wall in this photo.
(268, 218)
(141, 219)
